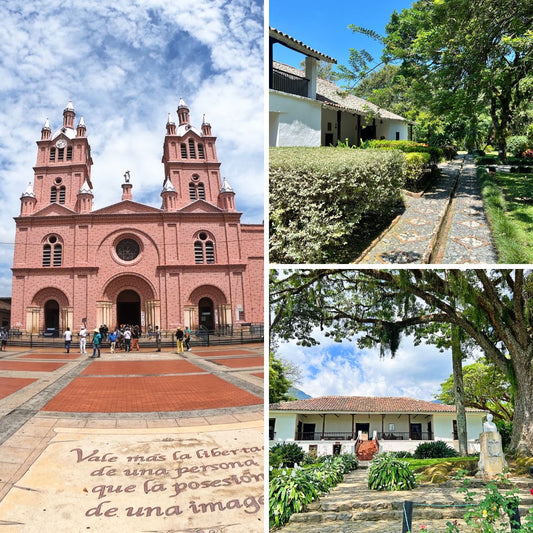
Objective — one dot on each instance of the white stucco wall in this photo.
(285, 427)
(388, 128)
(442, 425)
(294, 120)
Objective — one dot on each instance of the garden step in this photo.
(352, 507)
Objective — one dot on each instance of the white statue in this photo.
(489, 425)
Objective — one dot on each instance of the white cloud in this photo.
(125, 64)
(344, 369)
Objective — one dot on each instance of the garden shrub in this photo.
(433, 450)
(415, 168)
(437, 154)
(386, 472)
(517, 144)
(285, 454)
(487, 160)
(402, 455)
(450, 151)
(290, 490)
(318, 196)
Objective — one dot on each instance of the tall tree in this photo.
(278, 381)
(468, 54)
(486, 388)
(492, 308)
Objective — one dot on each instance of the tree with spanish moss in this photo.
(492, 308)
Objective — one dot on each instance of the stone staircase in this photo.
(351, 507)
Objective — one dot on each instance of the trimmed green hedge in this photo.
(318, 195)
(416, 164)
(437, 154)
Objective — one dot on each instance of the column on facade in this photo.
(68, 318)
(104, 314)
(153, 313)
(33, 315)
(189, 316)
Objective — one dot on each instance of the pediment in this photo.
(126, 207)
(201, 206)
(53, 210)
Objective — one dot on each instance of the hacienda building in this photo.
(306, 110)
(364, 425)
(190, 263)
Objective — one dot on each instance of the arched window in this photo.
(53, 195)
(201, 154)
(183, 147)
(52, 252)
(201, 191)
(209, 252)
(69, 153)
(192, 191)
(198, 253)
(62, 192)
(58, 255)
(47, 252)
(192, 149)
(52, 154)
(60, 154)
(204, 249)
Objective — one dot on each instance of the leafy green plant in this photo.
(319, 195)
(285, 454)
(386, 472)
(436, 153)
(517, 144)
(435, 449)
(290, 490)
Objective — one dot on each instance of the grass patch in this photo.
(508, 201)
(441, 470)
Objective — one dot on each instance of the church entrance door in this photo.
(129, 308)
(51, 315)
(206, 314)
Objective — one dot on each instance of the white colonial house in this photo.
(362, 425)
(305, 110)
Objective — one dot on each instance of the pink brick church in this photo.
(190, 263)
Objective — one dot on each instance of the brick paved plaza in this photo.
(63, 417)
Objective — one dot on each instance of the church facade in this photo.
(189, 263)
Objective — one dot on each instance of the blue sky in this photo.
(325, 27)
(344, 369)
(125, 64)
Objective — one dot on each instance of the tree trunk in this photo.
(459, 391)
(522, 436)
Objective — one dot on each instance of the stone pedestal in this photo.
(491, 459)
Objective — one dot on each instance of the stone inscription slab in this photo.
(207, 479)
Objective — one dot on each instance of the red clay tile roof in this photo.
(299, 46)
(365, 404)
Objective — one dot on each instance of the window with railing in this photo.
(289, 83)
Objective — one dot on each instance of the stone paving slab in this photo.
(463, 237)
(204, 478)
(411, 238)
(469, 238)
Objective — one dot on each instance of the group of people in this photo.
(183, 338)
(124, 337)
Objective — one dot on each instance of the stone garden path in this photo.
(445, 225)
(351, 507)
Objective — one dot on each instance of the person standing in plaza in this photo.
(135, 334)
(187, 339)
(68, 339)
(113, 340)
(179, 340)
(158, 338)
(127, 339)
(83, 339)
(4, 335)
(97, 341)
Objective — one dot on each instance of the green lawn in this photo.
(508, 202)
